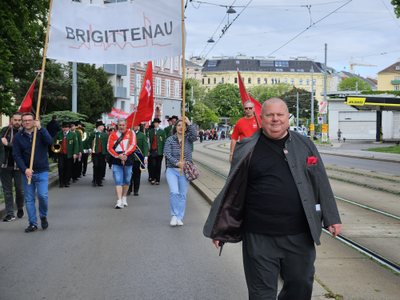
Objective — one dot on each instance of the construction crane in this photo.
(352, 64)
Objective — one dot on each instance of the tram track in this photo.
(212, 163)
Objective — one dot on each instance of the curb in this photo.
(360, 157)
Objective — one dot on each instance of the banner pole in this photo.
(40, 89)
(183, 84)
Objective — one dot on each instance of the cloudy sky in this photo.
(361, 31)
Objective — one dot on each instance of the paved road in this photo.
(92, 251)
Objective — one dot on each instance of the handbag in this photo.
(191, 171)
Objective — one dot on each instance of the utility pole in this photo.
(297, 109)
(74, 88)
(312, 128)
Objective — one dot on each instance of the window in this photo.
(167, 87)
(202, 80)
(235, 79)
(266, 63)
(249, 80)
(307, 81)
(176, 89)
(397, 87)
(292, 81)
(282, 63)
(209, 81)
(222, 80)
(122, 105)
(212, 63)
(158, 86)
(300, 81)
(258, 80)
(215, 80)
(138, 83)
(265, 80)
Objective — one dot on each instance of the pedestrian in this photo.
(339, 135)
(86, 150)
(39, 174)
(68, 151)
(201, 135)
(77, 166)
(171, 124)
(139, 160)
(156, 143)
(9, 171)
(121, 145)
(177, 182)
(98, 143)
(53, 127)
(245, 127)
(275, 199)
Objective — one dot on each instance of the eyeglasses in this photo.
(247, 108)
(27, 120)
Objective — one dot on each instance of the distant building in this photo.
(194, 67)
(370, 81)
(255, 71)
(389, 78)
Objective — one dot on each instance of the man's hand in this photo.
(28, 173)
(4, 141)
(216, 243)
(75, 156)
(335, 229)
(37, 124)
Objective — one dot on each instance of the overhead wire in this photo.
(310, 26)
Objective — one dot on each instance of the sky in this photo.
(361, 31)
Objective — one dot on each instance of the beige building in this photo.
(389, 78)
(301, 73)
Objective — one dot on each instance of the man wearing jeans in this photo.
(39, 174)
(121, 145)
(9, 171)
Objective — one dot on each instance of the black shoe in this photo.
(45, 224)
(135, 194)
(8, 218)
(100, 184)
(67, 185)
(20, 213)
(94, 184)
(31, 228)
(61, 186)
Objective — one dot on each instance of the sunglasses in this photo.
(247, 108)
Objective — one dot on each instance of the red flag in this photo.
(246, 97)
(26, 104)
(145, 108)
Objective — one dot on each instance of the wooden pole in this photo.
(183, 84)
(40, 89)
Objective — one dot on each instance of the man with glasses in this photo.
(39, 174)
(9, 170)
(245, 127)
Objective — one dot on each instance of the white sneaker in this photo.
(119, 204)
(179, 222)
(123, 202)
(173, 221)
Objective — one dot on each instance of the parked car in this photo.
(299, 130)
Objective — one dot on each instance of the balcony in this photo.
(120, 70)
(120, 92)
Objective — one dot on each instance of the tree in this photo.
(198, 95)
(304, 103)
(204, 116)
(22, 35)
(264, 92)
(224, 100)
(396, 4)
(353, 84)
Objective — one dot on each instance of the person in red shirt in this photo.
(245, 127)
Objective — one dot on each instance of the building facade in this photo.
(300, 73)
(389, 78)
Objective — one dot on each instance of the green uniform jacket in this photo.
(141, 142)
(72, 142)
(168, 130)
(160, 140)
(98, 135)
(78, 135)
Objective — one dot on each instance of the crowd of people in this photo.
(275, 200)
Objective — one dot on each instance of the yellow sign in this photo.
(324, 128)
(355, 101)
(312, 127)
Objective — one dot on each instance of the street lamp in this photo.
(231, 10)
(210, 40)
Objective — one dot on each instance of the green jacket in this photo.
(141, 142)
(80, 144)
(168, 130)
(93, 141)
(160, 140)
(72, 142)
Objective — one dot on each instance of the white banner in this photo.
(124, 32)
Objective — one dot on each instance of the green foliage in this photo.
(265, 92)
(390, 149)
(396, 4)
(204, 116)
(22, 35)
(304, 103)
(63, 116)
(353, 84)
(225, 101)
(198, 95)
(394, 93)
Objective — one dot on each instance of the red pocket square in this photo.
(312, 160)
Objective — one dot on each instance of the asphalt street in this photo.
(93, 251)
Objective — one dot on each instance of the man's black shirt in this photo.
(273, 205)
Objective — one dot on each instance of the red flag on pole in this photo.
(145, 107)
(246, 97)
(26, 104)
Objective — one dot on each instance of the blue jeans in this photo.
(40, 185)
(178, 187)
(122, 174)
